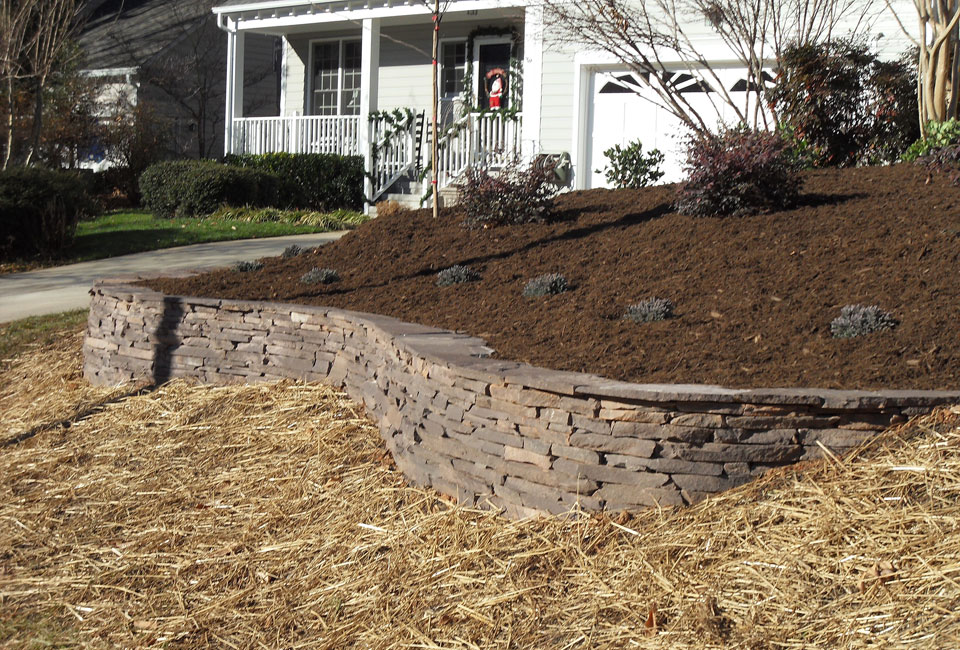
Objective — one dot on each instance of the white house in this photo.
(346, 62)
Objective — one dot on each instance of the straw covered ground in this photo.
(269, 516)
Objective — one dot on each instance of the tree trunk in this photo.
(435, 149)
(37, 121)
(7, 155)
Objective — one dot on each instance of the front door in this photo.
(493, 78)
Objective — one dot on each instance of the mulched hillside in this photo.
(754, 295)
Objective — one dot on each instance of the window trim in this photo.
(311, 74)
(466, 63)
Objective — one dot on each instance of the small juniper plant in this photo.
(320, 276)
(456, 274)
(649, 310)
(247, 267)
(548, 284)
(291, 252)
(857, 320)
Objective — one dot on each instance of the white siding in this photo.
(294, 75)
(558, 97)
(404, 62)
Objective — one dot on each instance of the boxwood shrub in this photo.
(39, 211)
(311, 181)
(193, 188)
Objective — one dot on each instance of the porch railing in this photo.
(393, 147)
(304, 134)
(488, 140)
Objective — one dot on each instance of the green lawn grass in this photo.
(135, 231)
(37, 330)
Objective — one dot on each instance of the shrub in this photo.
(939, 135)
(649, 310)
(513, 195)
(629, 167)
(456, 274)
(291, 251)
(320, 276)
(133, 137)
(738, 172)
(247, 267)
(39, 211)
(857, 320)
(311, 181)
(945, 160)
(548, 284)
(189, 188)
(843, 105)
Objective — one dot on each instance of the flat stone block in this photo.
(666, 465)
(608, 474)
(626, 497)
(598, 442)
(526, 456)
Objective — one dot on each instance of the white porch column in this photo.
(369, 88)
(234, 108)
(532, 80)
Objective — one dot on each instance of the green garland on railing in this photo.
(397, 120)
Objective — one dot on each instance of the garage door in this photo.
(619, 115)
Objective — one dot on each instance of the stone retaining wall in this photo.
(482, 430)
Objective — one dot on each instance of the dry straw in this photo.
(269, 516)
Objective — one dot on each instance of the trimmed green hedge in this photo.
(311, 181)
(196, 188)
(39, 211)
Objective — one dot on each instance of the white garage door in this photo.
(619, 115)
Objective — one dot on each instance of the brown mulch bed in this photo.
(754, 295)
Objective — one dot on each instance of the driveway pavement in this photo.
(62, 288)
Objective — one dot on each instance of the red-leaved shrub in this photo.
(511, 195)
(738, 172)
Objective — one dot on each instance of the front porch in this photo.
(477, 139)
(356, 80)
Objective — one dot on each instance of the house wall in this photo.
(178, 104)
(404, 79)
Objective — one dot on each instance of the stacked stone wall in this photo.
(488, 431)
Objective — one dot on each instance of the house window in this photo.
(453, 61)
(336, 78)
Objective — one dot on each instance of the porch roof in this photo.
(284, 16)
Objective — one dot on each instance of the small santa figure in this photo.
(496, 85)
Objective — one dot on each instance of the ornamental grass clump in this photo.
(320, 276)
(649, 310)
(857, 320)
(549, 284)
(291, 251)
(248, 267)
(456, 274)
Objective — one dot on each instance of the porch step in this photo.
(448, 197)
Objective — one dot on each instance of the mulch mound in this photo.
(754, 295)
(270, 516)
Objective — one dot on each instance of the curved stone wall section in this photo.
(524, 439)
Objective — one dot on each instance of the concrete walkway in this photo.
(62, 288)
